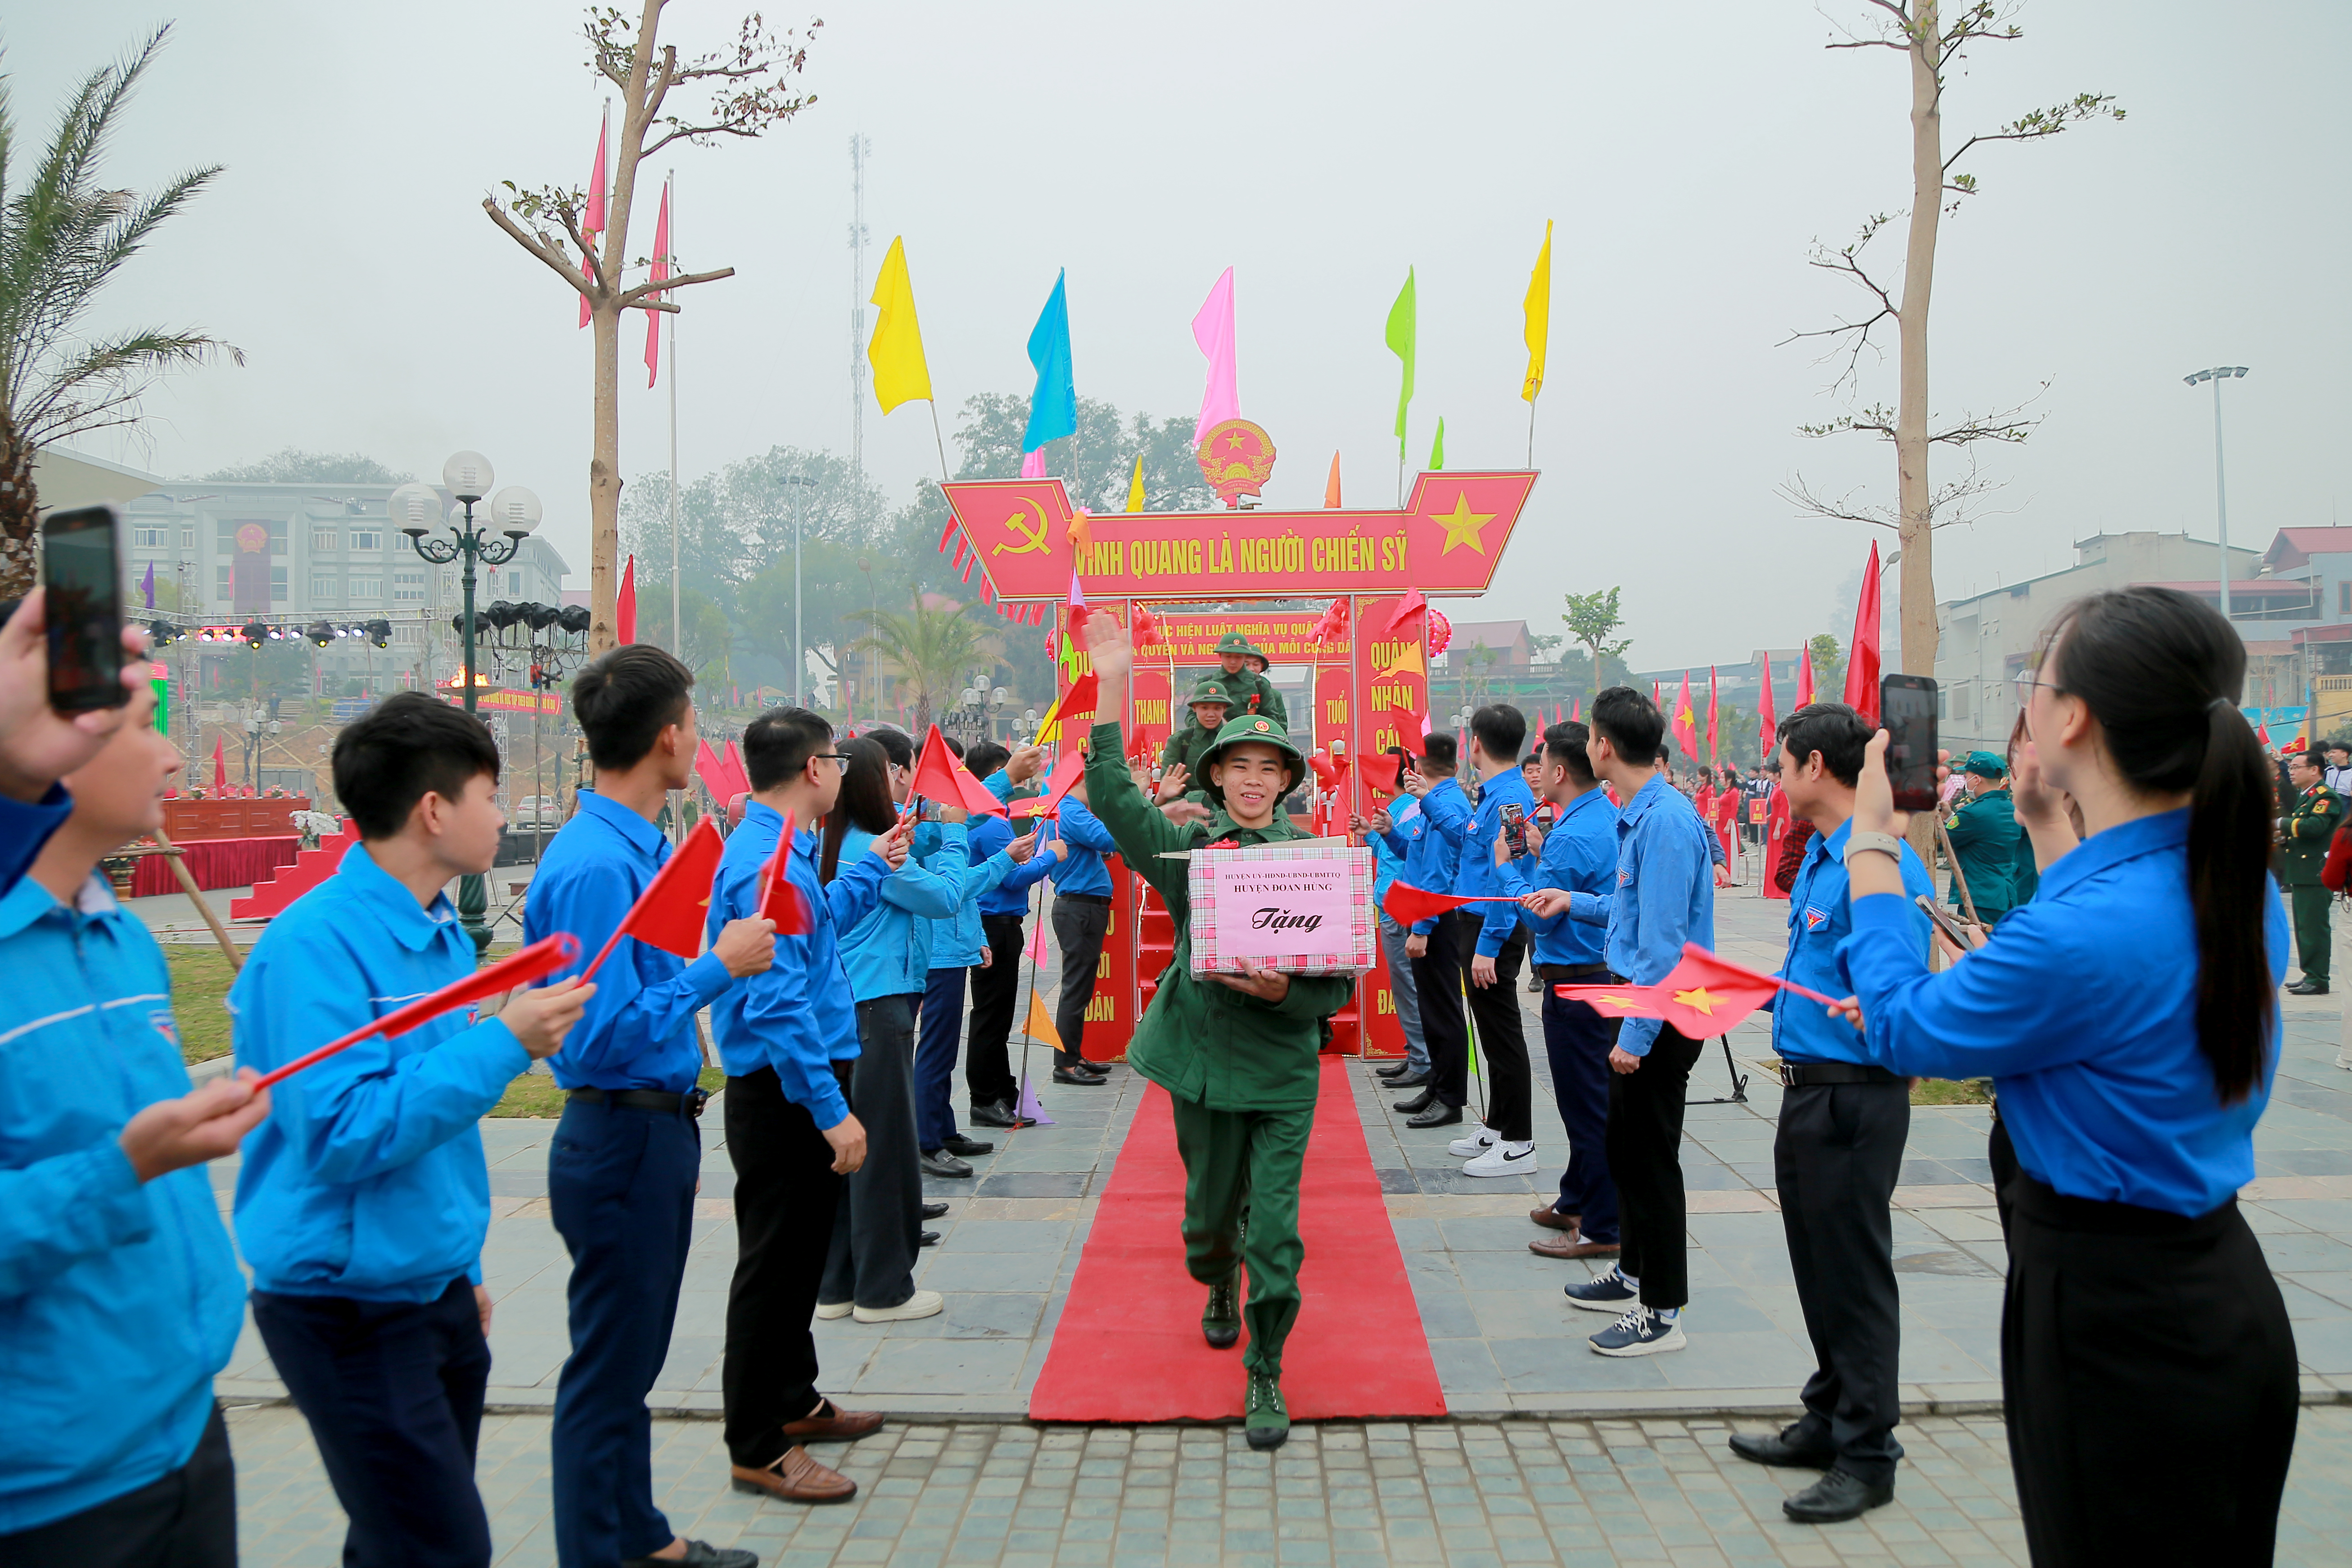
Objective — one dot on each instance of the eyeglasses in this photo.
(841, 757)
(2027, 680)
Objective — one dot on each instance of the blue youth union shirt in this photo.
(1664, 895)
(1580, 854)
(1820, 918)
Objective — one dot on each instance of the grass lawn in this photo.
(1949, 1091)
(200, 981)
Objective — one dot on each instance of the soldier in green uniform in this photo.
(1235, 1052)
(1985, 839)
(1210, 706)
(2307, 830)
(1249, 692)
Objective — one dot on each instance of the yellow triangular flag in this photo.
(1539, 307)
(1040, 1025)
(1135, 485)
(896, 352)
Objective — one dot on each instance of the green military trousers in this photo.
(2310, 905)
(1245, 1164)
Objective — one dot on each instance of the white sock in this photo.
(1629, 1282)
(1666, 1314)
(1522, 1149)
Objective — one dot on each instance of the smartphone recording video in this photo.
(1906, 707)
(82, 571)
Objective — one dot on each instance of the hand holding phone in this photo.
(1906, 707)
(39, 746)
(82, 571)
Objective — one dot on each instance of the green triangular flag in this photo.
(1402, 333)
(1437, 448)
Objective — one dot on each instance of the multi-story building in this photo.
(292, 554)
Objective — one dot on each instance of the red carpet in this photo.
(1128, 1346)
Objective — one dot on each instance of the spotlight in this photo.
(320, 633)
(379, 633)
(161, 633)
(255, 634)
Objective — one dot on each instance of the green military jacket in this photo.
(1185, 748)
(1202, 1041)
(1985, 839)
(2317, 814)
(1255, 696)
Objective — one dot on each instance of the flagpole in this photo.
(1531, 432)
(676, 625)
(941, 440)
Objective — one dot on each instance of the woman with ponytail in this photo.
(2128, 1017)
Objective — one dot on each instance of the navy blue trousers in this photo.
(620, 1182)
(935, 1056)
(1577, 1040)
(392, 1391)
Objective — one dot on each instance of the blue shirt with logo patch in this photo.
(1821, 916)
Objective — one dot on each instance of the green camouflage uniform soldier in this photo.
(1210, 706)
(2318, 813)
(1236, 1053)
(1249, 692)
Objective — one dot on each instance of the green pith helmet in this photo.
(1234, 642)
(1209, 689)
(1250, 727)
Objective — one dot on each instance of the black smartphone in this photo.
(82, 570)
(1515, 830)
(1907, 709)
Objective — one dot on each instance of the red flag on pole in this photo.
(1764, 723)
(779, 900)
(545, 957)
(625, 606)
(939, 777)
(220, 767)
(1804, 676)
(591, 221)
(660, 271)
(1071, 768)
(739, 777)
(1686, 721)
(1406, 903)
(1411, 605)
(670, 911)
(712, 773)
(1703, 997)
(1712, 750)
(1861, 654)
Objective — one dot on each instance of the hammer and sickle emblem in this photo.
(1031, 540)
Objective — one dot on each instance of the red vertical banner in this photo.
(1148, 707)
(1391, 682)
(1112, 1011)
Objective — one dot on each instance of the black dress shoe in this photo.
(702, 1554)
(930, 1238)
(935, 1211)
(1077, 1079)
(1775, 1449)
(1836, 1496)
(1411, 1080)
(1414, 1104)
(1000, 1113)
(1437, 1116)
(2308, 987)
(957, 1143)
(1394, 1070)
(939, 1162)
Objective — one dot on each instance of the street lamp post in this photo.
(800, 649)
(515, 512)
(2216, 376)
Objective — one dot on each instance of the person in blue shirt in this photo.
(1492, 949)
(1578, 856)
(993, 1091)
(1388, 864)
(887, 952)
(363, 1201)
(788, 1038)
(621, 1168)
(1001, 864)
(1431, 847)
(1663, 897)
(1839, 1149)
(120, 1292)
(39, 746)
(2128, 1017)
(1081, 920)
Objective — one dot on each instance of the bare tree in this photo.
(1919, 30)
(749, 94)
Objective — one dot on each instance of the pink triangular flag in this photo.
(591, 221)
(1212, 330)
(1033, 466)
(1029, 1108)
(660, 271)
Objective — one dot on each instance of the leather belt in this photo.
(668, 1104)
(1102, 899)
(1572, 972)
(1815, 1075)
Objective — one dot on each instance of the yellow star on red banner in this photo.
(1462, 525)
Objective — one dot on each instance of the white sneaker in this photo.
(1503, 1159)
(1478, 1143)
(921, 1304)
(826, 1312)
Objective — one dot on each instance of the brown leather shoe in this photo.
(1572, 1244)
(831, 1424)
(795, 1478)
(1552, 1218)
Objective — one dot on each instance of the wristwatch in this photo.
(1884, 843)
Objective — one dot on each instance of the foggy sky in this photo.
(1689, 154)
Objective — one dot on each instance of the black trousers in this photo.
(392, 1391)
(185, 1519)
(995, 994)
(878, 1218)
(1645, 1138)
(2148, 1382)
(785, 1195)
(1078, 931)
(1502, 1034)
(1836, 1156)
(1577, 1040)
(1437, 979)
(620, 1182)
